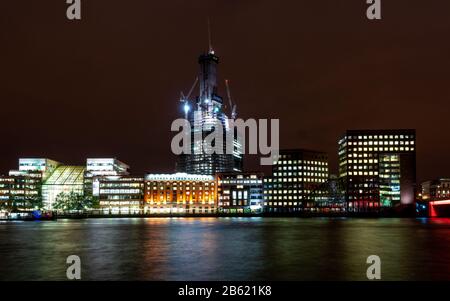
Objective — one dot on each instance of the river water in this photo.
(226, 248)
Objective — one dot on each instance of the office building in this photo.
(180, 193)
(240, 192)
(120, 194)
(65, 179)
(295, 175)
(378, 168)
(101, 167)
(329, 197)
(21, 190)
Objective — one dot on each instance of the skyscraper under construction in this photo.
(206, 113)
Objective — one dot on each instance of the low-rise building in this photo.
(21, 190)
(438, 189)
(120, 194)
(240, 192)
(180, 193)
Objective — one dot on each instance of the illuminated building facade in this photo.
(240, 192)
(180, 193)
(205, 114)
(101, 167)
(295, 175)
(22, 188)
(378, 168)
(121, 194)
(438, 189)
(65, 179)
(106, 167)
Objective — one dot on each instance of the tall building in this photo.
(204, 114)
(378, 168)
(240, 192)
(180, 193)
(295, 175)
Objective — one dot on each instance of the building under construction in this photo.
(207, 112)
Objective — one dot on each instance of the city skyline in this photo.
(78, 87)
(216, 148)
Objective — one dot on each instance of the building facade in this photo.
(438, 189)
(101, 167)
(329, 197)
(205, 115)
(378, 168)
(21, 190)
(295, 175)
(121, 194)
(240, 192)
(66, 179)
(180, 193)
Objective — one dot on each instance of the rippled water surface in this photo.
(226, 248)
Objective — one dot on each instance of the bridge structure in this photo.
(439, 208)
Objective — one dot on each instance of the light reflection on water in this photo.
(226, 248)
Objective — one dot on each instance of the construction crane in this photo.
(232, 107)
(185, 99)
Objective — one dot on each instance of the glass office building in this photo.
(65, 179)
(378, 168)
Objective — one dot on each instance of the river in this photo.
(226, 248)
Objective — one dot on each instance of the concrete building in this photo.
(180, 193)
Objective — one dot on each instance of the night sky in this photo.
(109, 85)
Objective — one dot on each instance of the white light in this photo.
(186, 108)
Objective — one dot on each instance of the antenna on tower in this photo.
(210, 49)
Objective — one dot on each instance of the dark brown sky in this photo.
(108, 85)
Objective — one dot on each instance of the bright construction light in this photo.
(186, 108)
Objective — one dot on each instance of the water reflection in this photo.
(227, 248)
